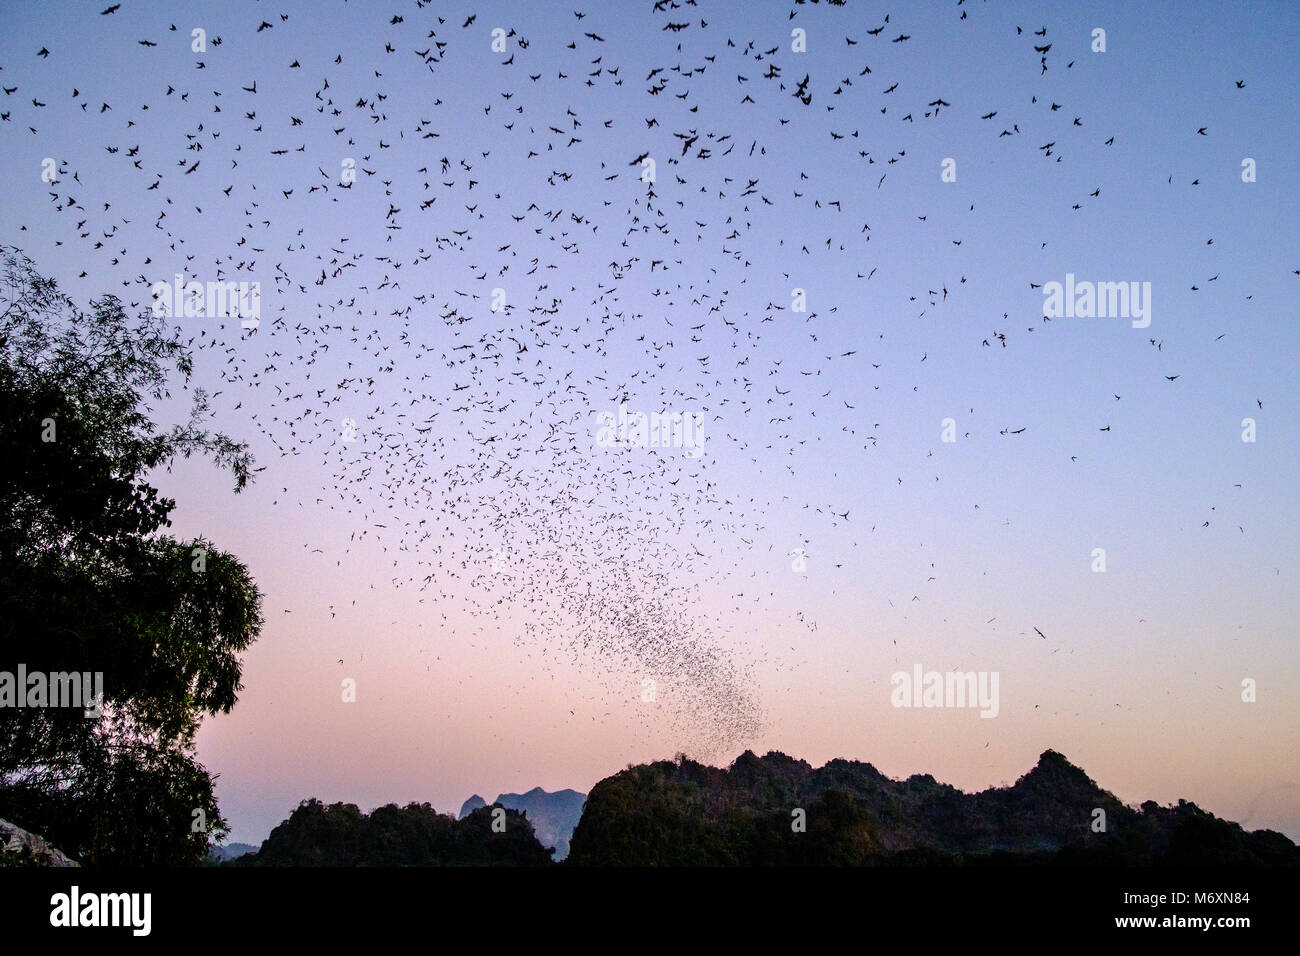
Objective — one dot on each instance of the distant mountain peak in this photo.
(772, 761)
(1054, 770)
(470, 805)
(1051, 758)
(552, 815)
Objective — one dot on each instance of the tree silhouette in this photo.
(89, 584)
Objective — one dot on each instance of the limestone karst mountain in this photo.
(230, 851)
(470, 805)
(777, 810)
(553, 815)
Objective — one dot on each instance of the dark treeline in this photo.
(415, 835)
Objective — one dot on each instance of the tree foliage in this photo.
(415, 835)
(90, 582)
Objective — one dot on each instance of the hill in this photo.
(231, 851)
(414, 835)
(777, 810)
(553, 815)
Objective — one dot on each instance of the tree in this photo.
(90, 584)
(414, 835)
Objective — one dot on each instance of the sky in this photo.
(519, 604)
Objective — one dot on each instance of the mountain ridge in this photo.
(552, 814)
(780, 810)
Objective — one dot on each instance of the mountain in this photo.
(777, 810)
(231, 851)
(553, 815)
(414, 835)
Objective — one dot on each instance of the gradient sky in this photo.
(952, 554)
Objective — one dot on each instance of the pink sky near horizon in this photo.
(446, 709)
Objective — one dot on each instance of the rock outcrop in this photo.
(19, 847)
